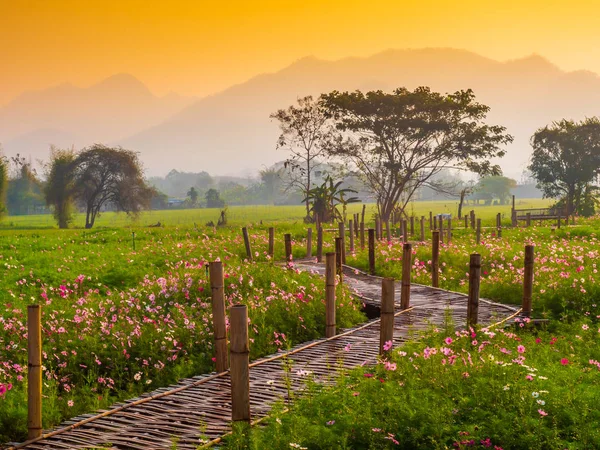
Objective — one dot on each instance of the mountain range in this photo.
(230, 132)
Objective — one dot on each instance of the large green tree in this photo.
(494, 187)
(60, 187)
(105, 176)
(400, 140)
(566, 159)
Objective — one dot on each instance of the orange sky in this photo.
(199, 47)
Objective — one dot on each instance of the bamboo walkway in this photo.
(197, 411)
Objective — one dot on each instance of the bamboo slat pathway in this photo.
(197, 410)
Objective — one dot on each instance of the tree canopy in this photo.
(400, 140)
(60, 190)
(104, 175)
(304, 133)
(566, 159)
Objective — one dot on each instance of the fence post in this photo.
(330, 270)
(356, 222)
(240, 370)
(478, 232)
(386, 330)
(435, 259)
(342, 236)
(412, 225)
(288, 247)
(528, 279)
(472, 213)
(441, 228)
(218, 313)
(406, 267)
(271, 241)
(247, 243)
(474, 282)
(404, 230)
(320, 244)
(422, 228)
(513, 213)
(351, 230)
(371, 251)
(34, 372)
(338, 259)
(377, 234)
(362, 235)
(430, 221)
(528, 219)
(449, 230)
(309, 243)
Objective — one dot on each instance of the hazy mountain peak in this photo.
(123, 83)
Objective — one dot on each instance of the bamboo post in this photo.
(435, 223)
(474, 282)
(351, 229)
(498, 220)
(422, 228)
(449, 230)
(388, 233)
(430, 221)
(34, 372)
(309, 243)
(528, 219)
(356, 222)
(338, 258)
(412, 225)
(362, 235)
(342, 236)
(247, 244)
(362, 217)
(377, 235)
(218, 312)
(288, 247)
(371, 251)
(386, 330)
(513, 213)
(320, 244)
(435, 259)
(271, 241)
(441, 228)
(406, 267)
(528, 279)
(472, 219)
(240, 367)
(330, 270)
(478, 232)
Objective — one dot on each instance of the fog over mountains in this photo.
(230, 132)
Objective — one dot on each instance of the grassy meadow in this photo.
(126, 309)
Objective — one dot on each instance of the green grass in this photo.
(241, 215)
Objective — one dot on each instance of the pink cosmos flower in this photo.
(448, 340)
(387, 345)
(542, 412)
(564, 361)
(521, 349)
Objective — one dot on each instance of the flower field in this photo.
(498, 389)
(566, 266)
(127, 310)
(118, 322)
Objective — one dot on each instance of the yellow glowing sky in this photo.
(199, 47)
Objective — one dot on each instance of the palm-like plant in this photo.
(325, 198)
